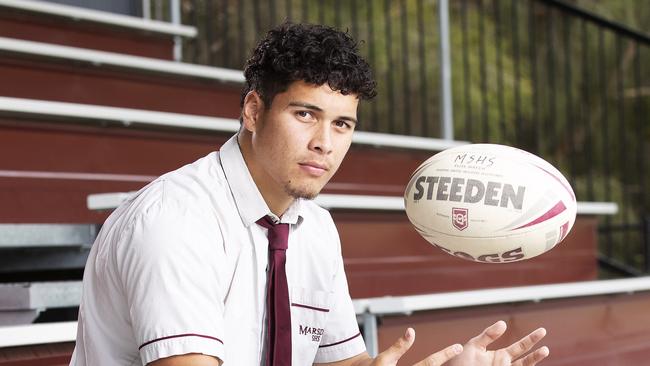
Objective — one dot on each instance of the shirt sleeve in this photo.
(342, 338)
(168, 262)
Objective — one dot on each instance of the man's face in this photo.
(300, 140)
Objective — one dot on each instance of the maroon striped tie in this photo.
(277, 298)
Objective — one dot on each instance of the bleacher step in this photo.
(80, 27)
(85, 76)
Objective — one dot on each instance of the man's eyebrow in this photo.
(305, 105)
(319, 109)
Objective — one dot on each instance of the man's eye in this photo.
(303, 114)
(342, 124)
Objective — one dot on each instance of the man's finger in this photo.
(525, 344)
(441, 357)
(399, 348)
(490, 334)
(533, 358)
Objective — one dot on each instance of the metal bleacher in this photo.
(33, 247)
(48, 250)
(29, 298)
(38, 247)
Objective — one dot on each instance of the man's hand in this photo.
(475, 352)
(390, 356)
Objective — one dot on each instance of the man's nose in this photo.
(322, 139)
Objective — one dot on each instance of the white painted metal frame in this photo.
(144, 64)
(108, 201)
(175, 8)
(146, 9)
(45, 235)
(597, 208)
(404, 142)
(448, 300)
(361, 202)
(446, 107)
(127, 116)
(102, 17)
(43, 333)
(39, 295)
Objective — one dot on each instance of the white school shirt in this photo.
(181, 268)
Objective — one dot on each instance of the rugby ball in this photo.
(490, 203)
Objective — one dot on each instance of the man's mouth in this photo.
(314, 168)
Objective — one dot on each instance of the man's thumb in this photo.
(399, 348)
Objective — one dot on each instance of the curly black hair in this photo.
(315, 54)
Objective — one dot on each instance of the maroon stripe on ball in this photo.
(568, 189)
(556, 210)
(564, 230)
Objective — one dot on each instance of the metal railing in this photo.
(541, 75)
(570, 86)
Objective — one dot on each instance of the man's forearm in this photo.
(367, 361)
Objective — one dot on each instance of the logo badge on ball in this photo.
(459, 218)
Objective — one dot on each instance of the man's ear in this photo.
(253, 107)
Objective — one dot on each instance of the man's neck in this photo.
(276, 199)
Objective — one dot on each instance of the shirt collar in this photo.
(248, 199)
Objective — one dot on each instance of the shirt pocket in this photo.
(309, 312)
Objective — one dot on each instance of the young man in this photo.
(227, 261)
